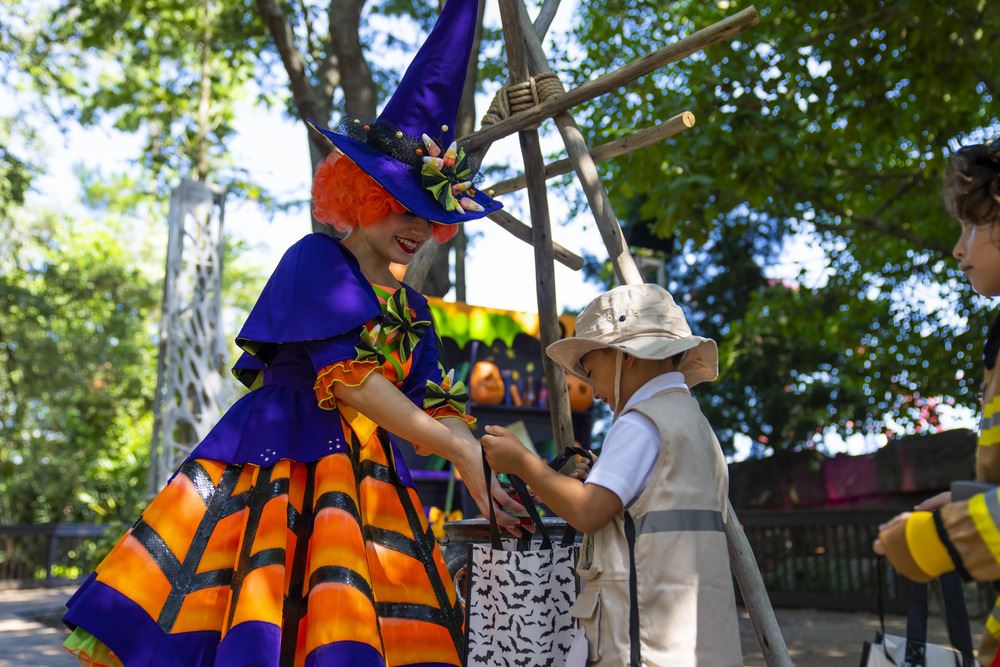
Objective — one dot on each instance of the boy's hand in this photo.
(504, 451)
(581, 467)
(896, 523)
(934, 502)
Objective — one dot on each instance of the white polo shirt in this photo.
(630, 448)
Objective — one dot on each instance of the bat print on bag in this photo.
(518, 613)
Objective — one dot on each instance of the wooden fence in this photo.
(820, 559)
(50, 554)
(823, 559)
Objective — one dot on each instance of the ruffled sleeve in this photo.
(347, 360)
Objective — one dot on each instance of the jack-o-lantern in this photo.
(485, 384)
(581, 395)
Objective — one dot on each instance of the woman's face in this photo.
(397, 238)
(978, 254)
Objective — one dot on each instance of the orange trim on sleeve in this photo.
(446, 411)
(350, 373)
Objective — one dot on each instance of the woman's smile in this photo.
(409, 246)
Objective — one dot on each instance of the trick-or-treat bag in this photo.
(913, 650)
(517, 608)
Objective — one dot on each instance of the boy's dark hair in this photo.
(972, 184)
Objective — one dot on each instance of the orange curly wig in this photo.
(345, 196)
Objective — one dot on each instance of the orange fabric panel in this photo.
(247, 474)
(214, 469)
(175, 514)
(380, 507)
(337, 540)
(223, 546)
(338, 612)
(203, 610)
(335, 473)
(415, 499)
(272, 531)
(130, 570)
(442, 571)
(408, 642)
(397, 577)
(296, 485)
(262, 596)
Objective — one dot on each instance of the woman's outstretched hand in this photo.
(470, 467)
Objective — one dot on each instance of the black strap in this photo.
(569, 535)
(569, 452)
(879, 565)
(522, 492)
(635, 653)
(916, 626)
(494, 528)
(992, 346)
(949, 546)
(957, 617)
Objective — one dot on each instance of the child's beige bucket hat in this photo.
(643, 321)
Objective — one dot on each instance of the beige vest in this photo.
(687, 610)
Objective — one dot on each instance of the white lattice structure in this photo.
(192, 385)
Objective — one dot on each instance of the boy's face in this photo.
(600, 368)
(978, 254)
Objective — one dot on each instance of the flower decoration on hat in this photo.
(448, 176)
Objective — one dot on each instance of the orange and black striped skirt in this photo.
(330, 562)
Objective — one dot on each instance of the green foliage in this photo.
(141, 67)
(76, 374)
(15, 172)
(830, 119)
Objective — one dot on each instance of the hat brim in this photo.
(402, 181)
(700, 363)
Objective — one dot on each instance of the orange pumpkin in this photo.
(485, 384)
(581, 395)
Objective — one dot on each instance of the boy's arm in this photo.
(586, 507)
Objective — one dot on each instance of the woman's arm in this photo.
(380, 400)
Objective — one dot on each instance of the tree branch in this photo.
(869, 223)
(360, 95)
(302, 92)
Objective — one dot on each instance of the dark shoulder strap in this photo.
(635, 652)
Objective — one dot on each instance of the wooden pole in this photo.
(522, 231)
(420, 265)
(546, 13)
(758, 604)
(541, 27)
(612, 149)
(583, 162)
(541, 234)
(713, 34)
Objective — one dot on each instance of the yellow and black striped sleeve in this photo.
(963, 536)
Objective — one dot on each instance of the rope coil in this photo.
(517, 97)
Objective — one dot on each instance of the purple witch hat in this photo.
(410, 148)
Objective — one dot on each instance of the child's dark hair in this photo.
(972, 184)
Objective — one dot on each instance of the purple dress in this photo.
(292, 534)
